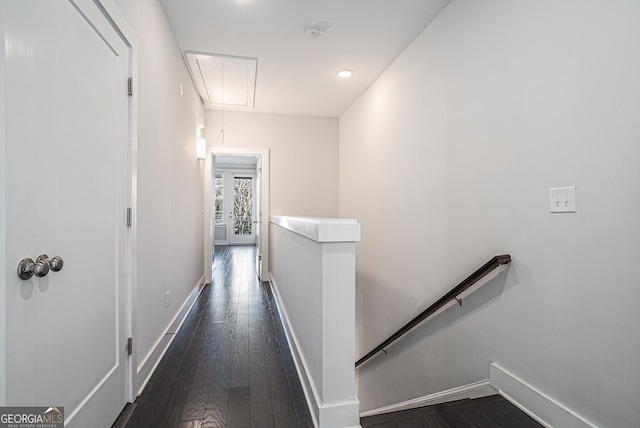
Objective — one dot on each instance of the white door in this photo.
(66, 135)
(242, 209)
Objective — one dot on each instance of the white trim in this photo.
(472, 390)
(150, 362)
(321, 414)
(131, 261)
(321, 229)
(3, 222)
(94, 391)
(537, 404)
(306, 380)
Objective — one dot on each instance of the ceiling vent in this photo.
(224, 81)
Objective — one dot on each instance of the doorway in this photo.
(234, 200)
(249, 224)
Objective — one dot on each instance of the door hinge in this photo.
(130, 346)
(129, 217)
(130, 86)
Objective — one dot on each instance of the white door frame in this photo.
(3, 228)
(131, 261)
(128, 36)
(263, 211)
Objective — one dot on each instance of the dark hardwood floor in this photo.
(229, 365)
(487, 412)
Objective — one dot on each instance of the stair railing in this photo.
(451, 295)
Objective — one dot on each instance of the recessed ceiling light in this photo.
(345, 73)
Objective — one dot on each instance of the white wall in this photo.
(313, 279)
(303, 153)
(448, 159)
(170, 178)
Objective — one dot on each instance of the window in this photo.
(218, 203)
(242, 205)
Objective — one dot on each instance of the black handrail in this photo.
(451, 295)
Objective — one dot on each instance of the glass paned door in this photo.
(243, 209)
(220, 227)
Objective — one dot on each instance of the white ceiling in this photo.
(296, 74)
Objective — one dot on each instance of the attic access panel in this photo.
(223, 80)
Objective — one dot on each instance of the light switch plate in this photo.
(562, 199)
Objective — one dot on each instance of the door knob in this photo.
(41, 267)
(56, 263)
(27, 268)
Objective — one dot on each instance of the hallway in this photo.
(229, 365)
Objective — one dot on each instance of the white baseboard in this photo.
(472, 390)
(544, 409)
(150, 362)
(322, 415)
(306, 381)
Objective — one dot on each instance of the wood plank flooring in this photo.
(229, 365)
(487, 412)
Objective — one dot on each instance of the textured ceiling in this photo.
(296, 74)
